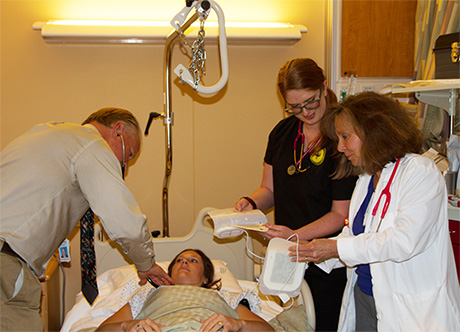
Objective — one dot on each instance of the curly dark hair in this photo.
(208, 269)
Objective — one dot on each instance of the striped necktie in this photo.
(88, 257)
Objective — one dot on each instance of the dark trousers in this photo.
(327, 291)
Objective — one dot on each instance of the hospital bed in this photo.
(233, 264)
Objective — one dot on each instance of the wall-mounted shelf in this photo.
(439, 93)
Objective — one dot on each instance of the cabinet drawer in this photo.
(456, 249)
(454, 230)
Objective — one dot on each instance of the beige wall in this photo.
(218, 142)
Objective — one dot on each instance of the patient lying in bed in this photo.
(185, 307)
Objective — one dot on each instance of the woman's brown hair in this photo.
(304, 73)
(385, 128)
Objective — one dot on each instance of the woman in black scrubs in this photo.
(297, 180)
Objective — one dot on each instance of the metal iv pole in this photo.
(202, 10)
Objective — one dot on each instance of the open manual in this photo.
(230, 223)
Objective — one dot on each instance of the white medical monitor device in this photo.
(231, 223)
(281, 276)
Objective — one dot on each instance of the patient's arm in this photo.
(122, 320)
(248, 321)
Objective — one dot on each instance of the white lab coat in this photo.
(415, 284)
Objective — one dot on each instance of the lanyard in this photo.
(386, 192)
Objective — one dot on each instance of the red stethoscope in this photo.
(386, 192)
(297, 167)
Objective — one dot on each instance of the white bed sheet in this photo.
(112, 283)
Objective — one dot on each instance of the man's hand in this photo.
(157, 274)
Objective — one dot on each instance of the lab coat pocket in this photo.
(425, 311)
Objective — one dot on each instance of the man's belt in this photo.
(6, 249)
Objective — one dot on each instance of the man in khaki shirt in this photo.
(49, 177)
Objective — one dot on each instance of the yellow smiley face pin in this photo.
(318, 158)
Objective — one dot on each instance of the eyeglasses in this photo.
(309, 105)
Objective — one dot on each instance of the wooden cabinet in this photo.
(50, 300)
(378, 37)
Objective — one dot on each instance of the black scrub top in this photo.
(303, 197)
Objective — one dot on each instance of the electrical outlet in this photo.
(367, 88)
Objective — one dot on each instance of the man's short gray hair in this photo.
(109, 115)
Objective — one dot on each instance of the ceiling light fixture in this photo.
(155, 32)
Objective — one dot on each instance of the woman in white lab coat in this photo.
(402, 273)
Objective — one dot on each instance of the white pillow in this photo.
(221, 272)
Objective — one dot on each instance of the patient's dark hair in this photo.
(208, 269)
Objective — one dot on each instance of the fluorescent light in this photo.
(155, 32)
